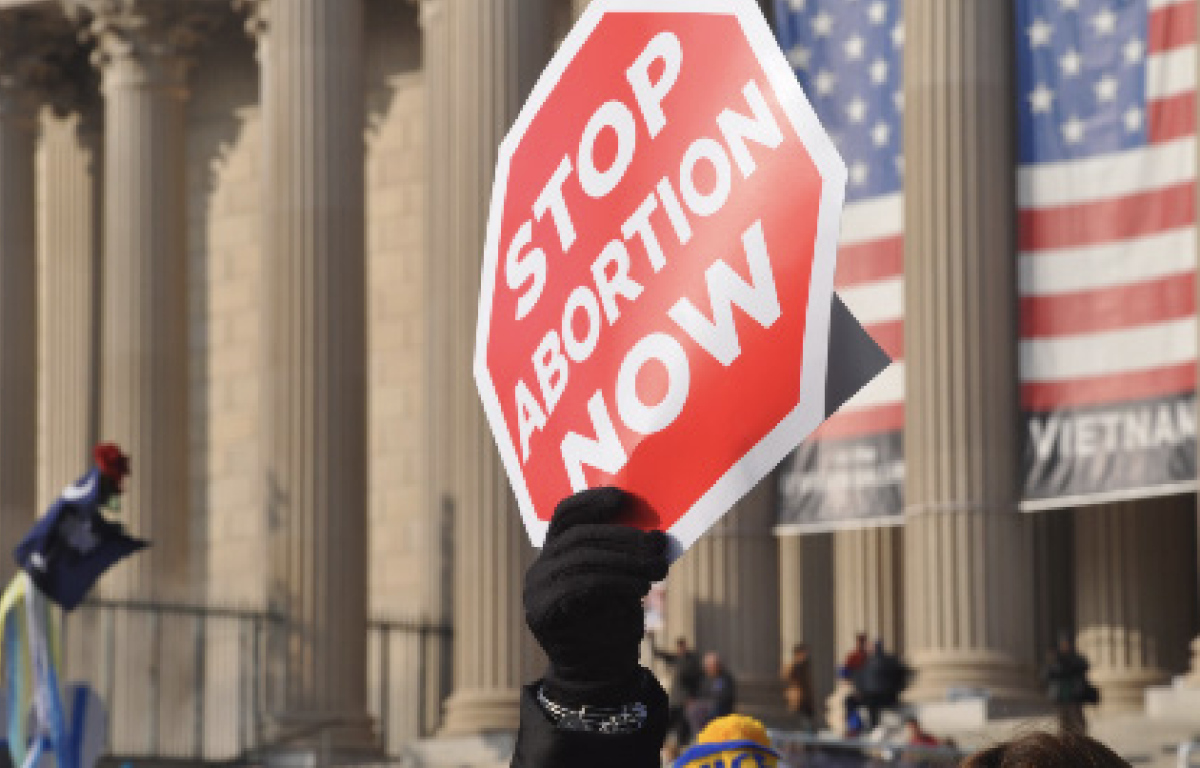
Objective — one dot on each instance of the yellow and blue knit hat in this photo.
(733, 741)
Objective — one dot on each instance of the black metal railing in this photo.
(196, 683)
(414, 658)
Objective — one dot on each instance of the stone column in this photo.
(806, 607)
(141, 52)
(314, 415)
(481, 58)
(967, 550)
(1132, 575)
(18, 292)
(868, 596)
(868, 586)
(723, 595)
(1053, 577)
(69, 235)
(439, 329)
(69, 253)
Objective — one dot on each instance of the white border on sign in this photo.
(810, 411)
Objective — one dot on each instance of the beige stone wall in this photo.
(225, 261)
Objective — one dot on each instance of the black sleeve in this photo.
(540, 744)
(729, 699)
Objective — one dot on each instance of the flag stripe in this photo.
(1106, 265)
(1172, 118)
(1073, 182)
(1108, 352)
(1102, 221)
(887, 387)
(1041, 396)
(889, 336)
(874, 303)
(870, 421)
(1105, 309)
(1172, 27)
(871, 261)
(1171, 73)
(871, 220)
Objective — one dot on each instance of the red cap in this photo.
(112, 462)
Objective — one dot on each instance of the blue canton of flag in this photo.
(847, 54)
(1081, 75)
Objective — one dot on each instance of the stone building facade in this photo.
(242, 238)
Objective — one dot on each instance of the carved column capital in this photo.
(38, 57)
(430, 10)
(257, 16)
(153, 37)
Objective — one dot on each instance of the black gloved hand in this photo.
(583, 598)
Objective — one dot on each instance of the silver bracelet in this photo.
(627, 718)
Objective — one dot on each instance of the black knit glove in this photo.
(583, 599)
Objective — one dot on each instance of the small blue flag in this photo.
(73, 544)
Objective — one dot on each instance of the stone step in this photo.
(483, 751)
(1175, 701)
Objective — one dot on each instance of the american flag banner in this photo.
(848, 57)
(1106, 230)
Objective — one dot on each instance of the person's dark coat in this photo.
(720, 691)
(1066, 678)
(798, 687)
(686, 675)
(881, 680)
(541, 744)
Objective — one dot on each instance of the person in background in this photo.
(1067, 685)
(686, 675)
(718, 693)
(856, 658)
(916, 736)
(1067, 749)
(798, 687)
(879, 683)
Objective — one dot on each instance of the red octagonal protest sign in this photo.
(656, 288)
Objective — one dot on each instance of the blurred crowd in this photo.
(702, 689)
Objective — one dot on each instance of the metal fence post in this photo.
(255, 656)
(155, 680)
(200, 686)
(110, 657)
(423, 671)
(385, 680)
(148, 687)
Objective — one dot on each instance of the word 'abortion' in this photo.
(679, 200)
